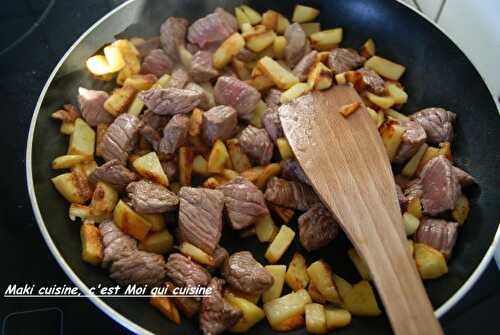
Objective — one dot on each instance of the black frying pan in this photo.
(438, 74)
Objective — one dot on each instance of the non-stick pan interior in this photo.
(438, 74)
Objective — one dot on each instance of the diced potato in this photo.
(381, 118)
(294, 92)
(430, 262)
(185, 165)
(261, 83)
(185, 56)
(229, 48)
(285, 214)
(241, 69)
(368, 48)
(410, 223)
(397, 93)
(385, 67)
(373, 114)
(258, 113)
(278, 273)
(303, 13)
(279, 244)
(445, 150)
(82, 140)
(83, 170)
(140, 82)
(270, 170)
(200, 166)
(196, 253)
(218, 157)
(214, 182)
(279, 45)
(340, 78)
(259, 42)
(149, 167)
(320, 275)
(360, 300)
(342, 285)
(315, 294)
(336, 318)
(251, 313)
(286, 307)
(157, 221)
(130, 222)
(429, 154)
(415, 208)
(67, 128)
(82, 212)
(195, 122)
(282, 24)
(103, 202)
(311, 28)
(253, 16)
(320, 77)
(229, 174)
(253, 298)
(68, 161)
(359, 263)
(70, 187)
(283, 78)
(167, 308)
(239, 159)
(315, 318)
(326, 39)
(391, 133)
(295, 322)
(461, 211)
(296, 275)
(382, 102)
(113, 61)
(136, 106)
(411, 247)
(241, 17)
(411, 166)
(92, 247)
(130, 56)
(101, 130)
(98, 65)
(265, 229)
(253, 173)
(284, 148)
(395, 115)
(120, 100)
(348, 109)
(270, 19)
(160, 242)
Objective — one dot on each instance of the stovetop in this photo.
(34, 36)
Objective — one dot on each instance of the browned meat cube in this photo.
(202, 68)
(92, 106)
(155, 121)
(402, 181)
(372, 81)
(113, 173)
(148, 197)
(290, 194)
(246, 55)
(179, 78)
(244, 273)
(219, 123)
(439, 234)
(171, 169)
(317, 228)
(210, 31)
(402, 200)
(217, 315)
(273, 98)
(120, 138)
(157, 62)
(172, 35)
(170, 101)
(296, 46)
(186, 273)
(413, 137)
(220, 256)
(139, 267)
(414, 189)
(148, 45)
(116, 243)
(342, 60)
(291, 170)
(440, 186)
(151, 135)
(437, 122)
(272, 124)
(301, 70)
(174, 134)
(231, 91)
(464, 178)
(200, 217)
(244, 202)
(256, 143)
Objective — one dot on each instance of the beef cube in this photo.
(202, 68)
(204, 99)
(173, 35)
(244, 273)
(402, 200)
(171, 169)
(246, 55)
(220, 256)
(438, 234)
(210, 31)
(291, 170)
(192, 48)
(229, 18)
(342, 60)
(219, 123)
(244, 202)
(372, 81)
(256, 143)
(179, 78)
(402, 181)
(317, 228)
(413, 137)
(301, 70)
(174, 134)
(414, 189)
(151, 135)
(200, 217)
(296, 46)
(157, 62)
(290, 194)
(272, 124)
(114, 174)
(273, 99)
(463, 177)
(153, 120)
(233, 92)
(440, 186)
(92, 106)
(148, 197)
(116, 243)
(170, 101)
(186, 273)
(217, 315)
(148, 45)
(437, 122)
(120, 138)
(139, 267)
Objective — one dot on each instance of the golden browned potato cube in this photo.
(320, 77)
(294, 92)
(326, 39)
(368, 48)
(218, 157)
(149, 167)
(103, 201)
(382, 102)
(140, 82)
(359, 264)
(320, 275)
(385, 67)
(185, 56)
(68, 185)
(160, 242)
(253, 173)
(279, 46)
(130, 222)
(259, 41)
(270, 19)
(337, 318)
(411, 166)
(461, 210)
(430, 262)
(195, 122)
(167, 308)
(196, 254)
(279, 244)
(130, 56)
(157, 221)
(252, 314)
(120, 100)
(278, 273)
(311, 28)
(304, 14)
(261, 83)
(315, 294)
(410, 223)
(200, 166)
(270, 170)
(229, 48)
(92, 247)
(286, 307)
(295, 322)
(397, 93)
(82, 140)
(69, 161)
(315, 318)
(283, 78)
(241, 69)
(282, 24)
(67, 128)
(253, 16)
(285, 214)
(429, 154)
(360, 300)
(296, 276)
(260, 110)
(265, 229)
(415, 207)
(214, 182)
(391, 133)
(185, 165)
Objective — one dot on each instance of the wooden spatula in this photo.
(348, 166)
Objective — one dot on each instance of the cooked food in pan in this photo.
(189, 141)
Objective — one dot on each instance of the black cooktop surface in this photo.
(34, 36)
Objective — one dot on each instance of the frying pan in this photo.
(438, 74)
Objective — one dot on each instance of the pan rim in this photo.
(120, 318)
